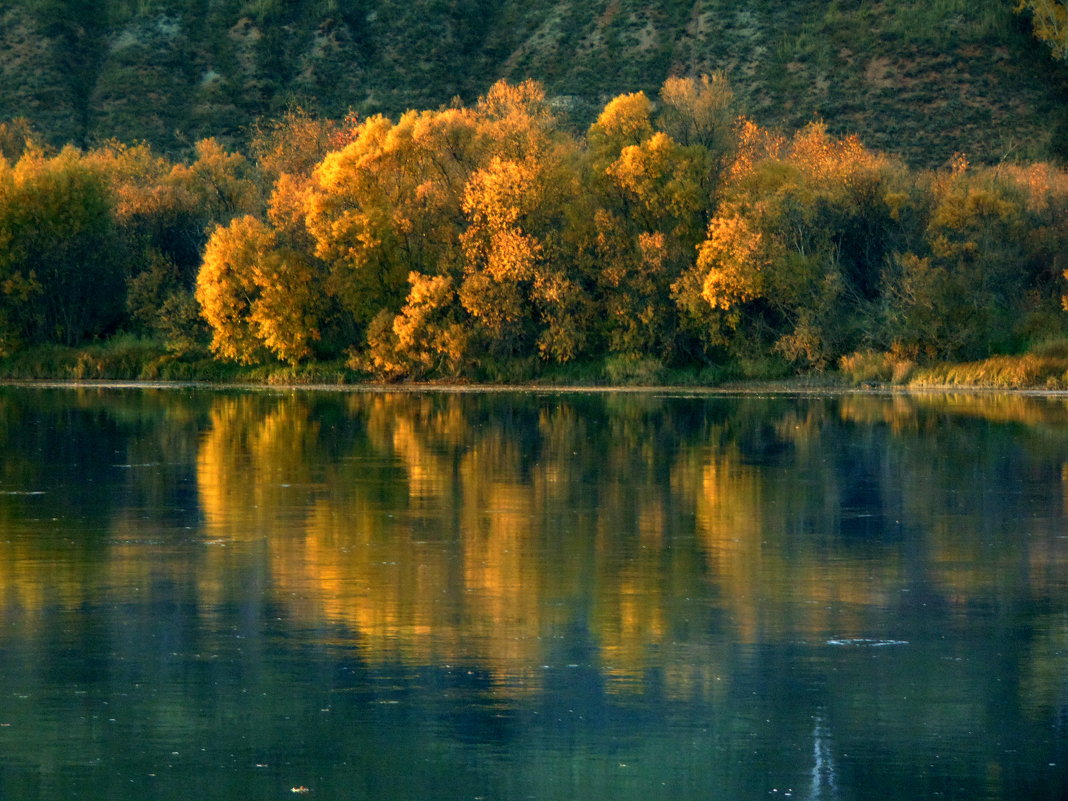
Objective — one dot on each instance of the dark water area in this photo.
(510, 596)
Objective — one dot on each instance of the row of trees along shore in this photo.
(494, 242)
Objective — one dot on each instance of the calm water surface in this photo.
(509, 596)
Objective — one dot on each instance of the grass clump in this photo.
(633, 370)
(1044, 366)
(122, 358)
(871, 366)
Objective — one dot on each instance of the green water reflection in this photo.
(531, 595)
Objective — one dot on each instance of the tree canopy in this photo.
(491, 241)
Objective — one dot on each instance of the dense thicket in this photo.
(488, 241)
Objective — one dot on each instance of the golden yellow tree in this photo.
(500, 255)
(655, 194)
(428, 337)
(625, 120)
(1050, 21)
(519, 281)
(699, 111)
(515, 120)
(258, 295)
(389, 203)
(796, 246)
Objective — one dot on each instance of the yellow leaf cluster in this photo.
(256, 294)
(730, 258)
(1050, 21)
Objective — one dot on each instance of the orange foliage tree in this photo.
(654, 179)
(486, 241)
(488, 279)
(793, 256)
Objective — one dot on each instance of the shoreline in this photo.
(785, 388)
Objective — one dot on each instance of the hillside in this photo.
(920, 78)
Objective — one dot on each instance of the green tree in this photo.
(61, 276)
(984, 277)
(163, 212)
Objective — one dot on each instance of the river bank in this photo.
(1044, 368)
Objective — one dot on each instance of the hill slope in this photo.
(922, 79)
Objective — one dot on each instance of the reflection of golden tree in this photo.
(411, 439)
(633, 598)
(731, 525)
(478, 530)
(56, 581)
(998, 407)
(503, 575)
(393, 592)
(937, 436)
(767, 544)
(253, 478)
(440, 538)
(900, 413)
(451, 563)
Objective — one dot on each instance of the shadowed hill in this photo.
(919, 78)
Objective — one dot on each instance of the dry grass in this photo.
(1044, 367)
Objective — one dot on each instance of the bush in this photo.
(629, 369)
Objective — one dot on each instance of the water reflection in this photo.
(532, 594)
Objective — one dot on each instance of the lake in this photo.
(263, 594)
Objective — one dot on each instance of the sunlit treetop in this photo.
(698, 111)
(625, 120)
(517, 117)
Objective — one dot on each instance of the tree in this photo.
(61, 276)
(795, 249)
(625, 120)
(655, 191)
(515, 120)
(699, 111)
(296, 142)
(163, 213)
(470, 204)
(389, 203)
(1050, 21)
(257, 295)
(501, 257)
(520, 281)
(430, 335)
(985, 272)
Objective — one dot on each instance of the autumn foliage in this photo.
(490, 241)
